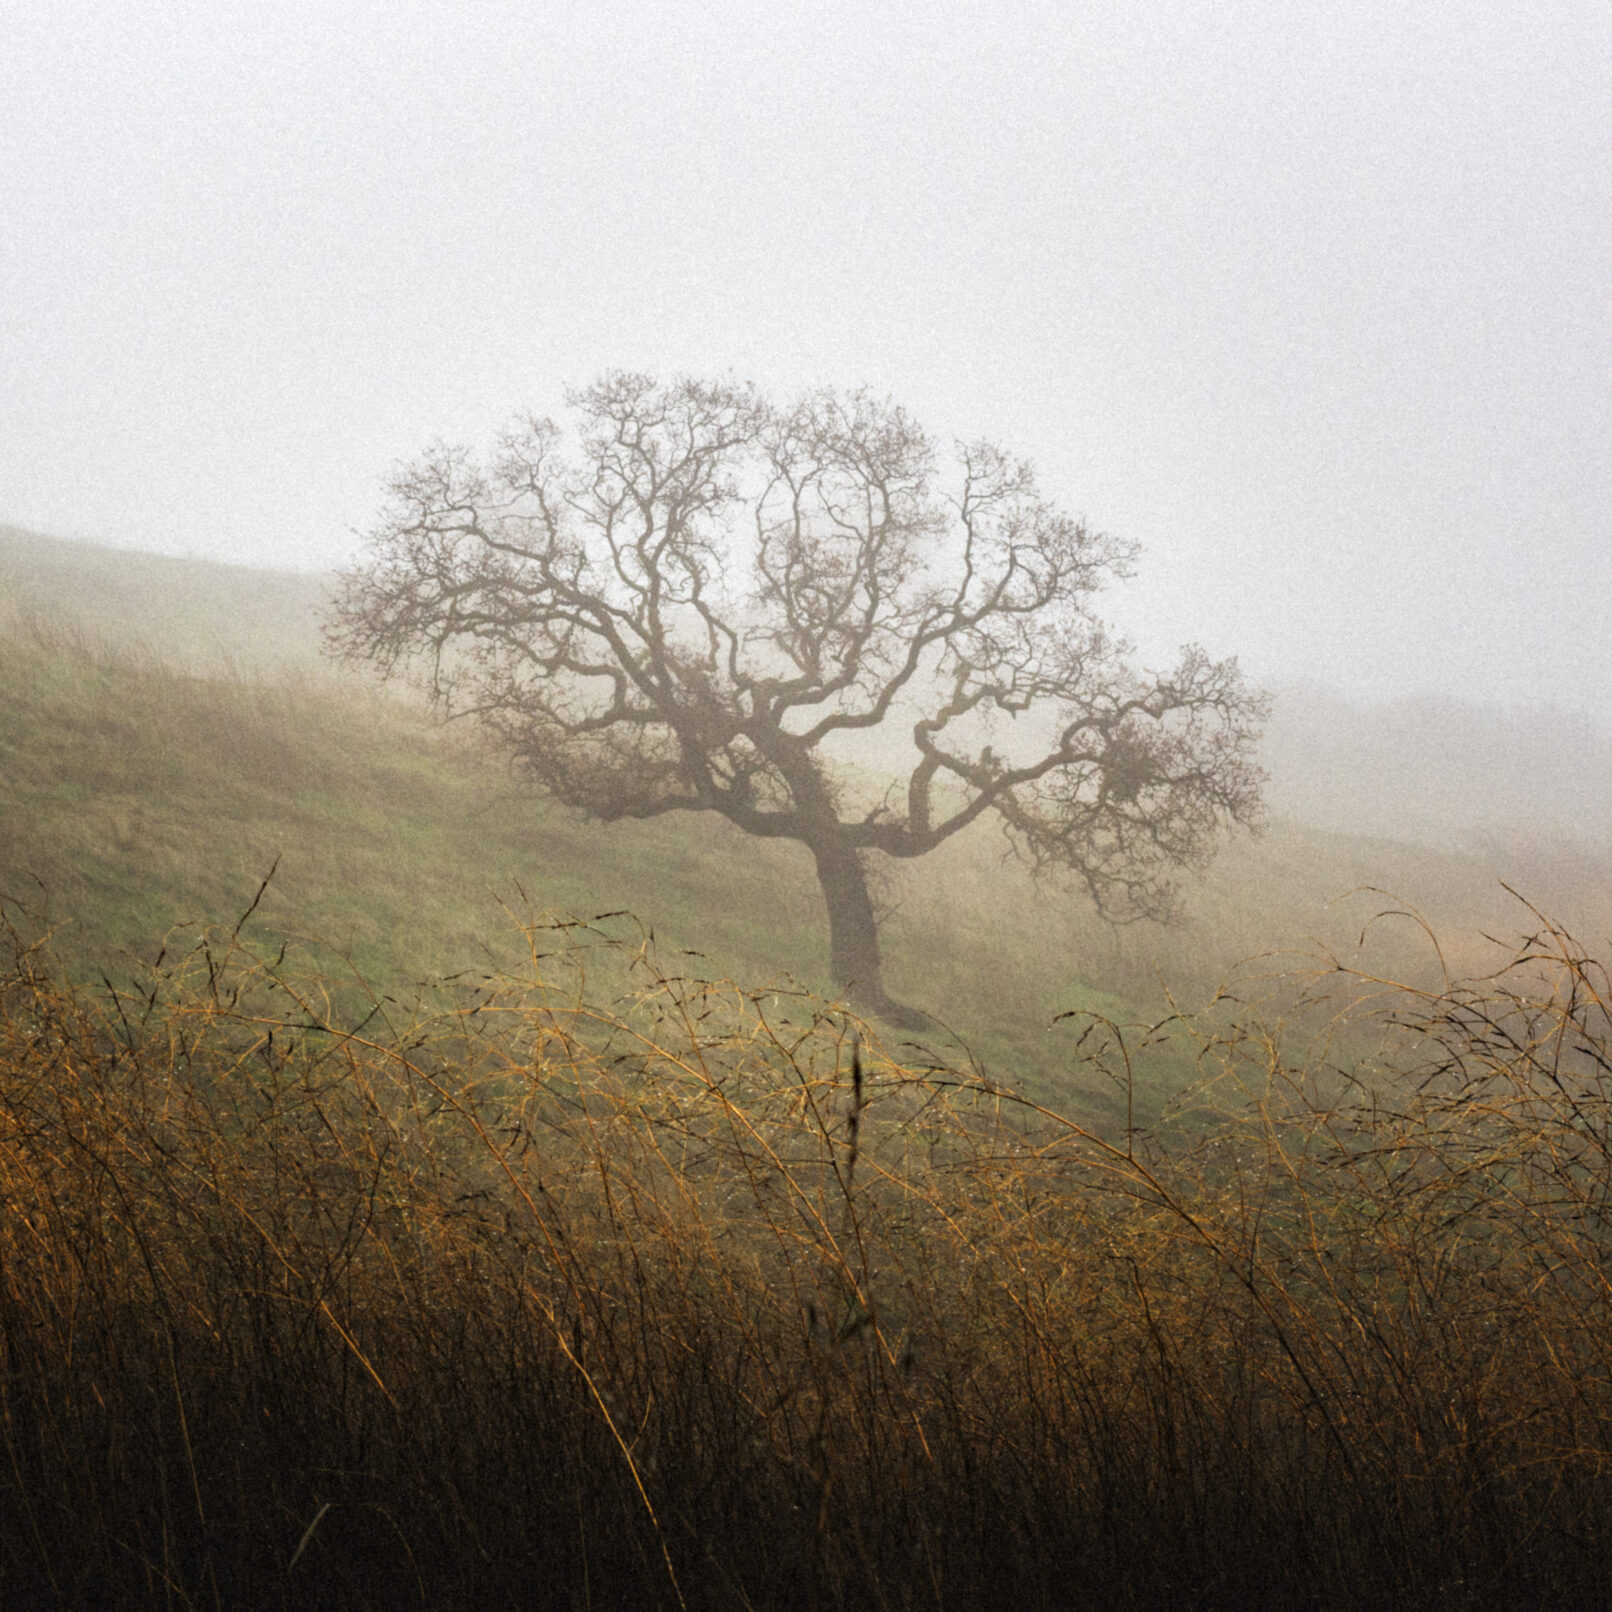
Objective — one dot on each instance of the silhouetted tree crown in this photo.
(681, 603)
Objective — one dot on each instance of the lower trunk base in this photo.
(854, 936)
(877, 1005)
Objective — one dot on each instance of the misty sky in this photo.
(1313, 302)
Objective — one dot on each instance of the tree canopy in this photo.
(695, 596)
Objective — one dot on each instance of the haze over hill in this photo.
(1312, 307)
(1441, 771)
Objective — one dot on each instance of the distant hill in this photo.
(1442, 772)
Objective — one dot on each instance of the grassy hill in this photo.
(134, 798)
(691, 1312)
(169, 735)
(196, 615)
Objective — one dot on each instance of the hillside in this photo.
(134, 798)
(1440, 773)
(142, 786)
(195, 615)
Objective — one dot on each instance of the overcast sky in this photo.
(1313, 302)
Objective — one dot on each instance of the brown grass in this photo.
(702, 1299)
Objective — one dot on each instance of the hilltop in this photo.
(195, 615)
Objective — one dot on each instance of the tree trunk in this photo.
(853, 934)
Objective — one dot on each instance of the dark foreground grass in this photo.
(701, 1300)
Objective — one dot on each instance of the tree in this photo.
(693, 599)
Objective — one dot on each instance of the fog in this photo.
(1312, 307)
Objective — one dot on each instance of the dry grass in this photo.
(701, 1299)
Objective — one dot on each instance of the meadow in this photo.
(411, 1194)
(710, 1300)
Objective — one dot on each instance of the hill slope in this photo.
(193, 614)
(136, 794)
(134, 798)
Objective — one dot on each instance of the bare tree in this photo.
(688, 603)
